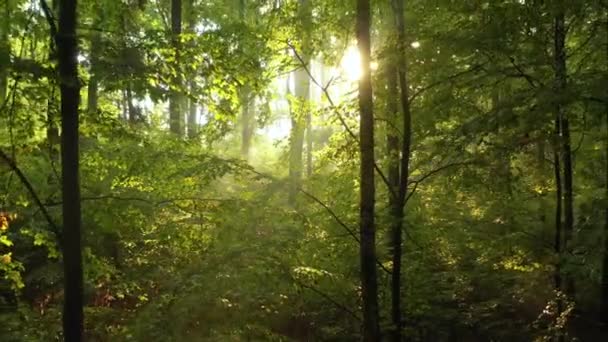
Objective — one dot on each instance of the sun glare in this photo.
(351, 64)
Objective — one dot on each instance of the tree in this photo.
(367, 240)
(604, 280)
(299, 111)
(563, 125)
(176, 115)
(245, 94)
(67, 50)
(185, 240)
(192, 103)
(398, 172)
(94, 70)
(5, 50)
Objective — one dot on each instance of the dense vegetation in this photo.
(303, 170)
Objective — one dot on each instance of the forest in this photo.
(303, 170)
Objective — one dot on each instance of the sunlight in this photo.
(351, 64)
(279, 129)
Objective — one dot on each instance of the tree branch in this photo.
(433, 172)
(351, 232)
(447, 79)
(48, 14)
(141, 199)
(328, 298)
(337, 112)
(11, 163)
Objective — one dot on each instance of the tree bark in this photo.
(396, 211)
(52, 132)
(309, 144)
(5, 50)
(134, 111)
(176, 99)
(557, 244)
(398, 208)
(192, 107)
(369, 281)
(302, 86)
(192, 125)
(604, 299)
(93, 85)
(245, 95)
(246, 122)
(566, 151)
(73, 316)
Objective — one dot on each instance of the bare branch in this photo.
(325, 91)
(329, 299)
(141, 199)
(447, 79)
(48, 14)
(11, 163)
(350, 231)
(416, 182)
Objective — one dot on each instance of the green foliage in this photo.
(186, 241)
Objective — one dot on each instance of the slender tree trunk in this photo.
(302, 86)
(557, 244)
(124, 104)
(73, 317)
(604, 293)
(246, 122)
(560, 89)
(134, 113)
(398, 209)
(93, 85)
(192, 105)
(52, 132)
(245, 96)
(296, 141)
(369, 281)
(5, 49)
(309, 133)
(604, 299)
(176, 98)
(309, 144)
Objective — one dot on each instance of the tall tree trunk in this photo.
(5, 49)
(309, 143)
(604, 299)
(302, 87)
(309, 133)
(604, 293)
(557, 245)
(192, 109)
(176, 98)
(134, 111)
(192, 125)
(73, 316)
(560, 90)
(124, 105)
(52, 132)
(93, 85)
(369, 281)
(245, 95)
(398, 209)
(247, 126)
